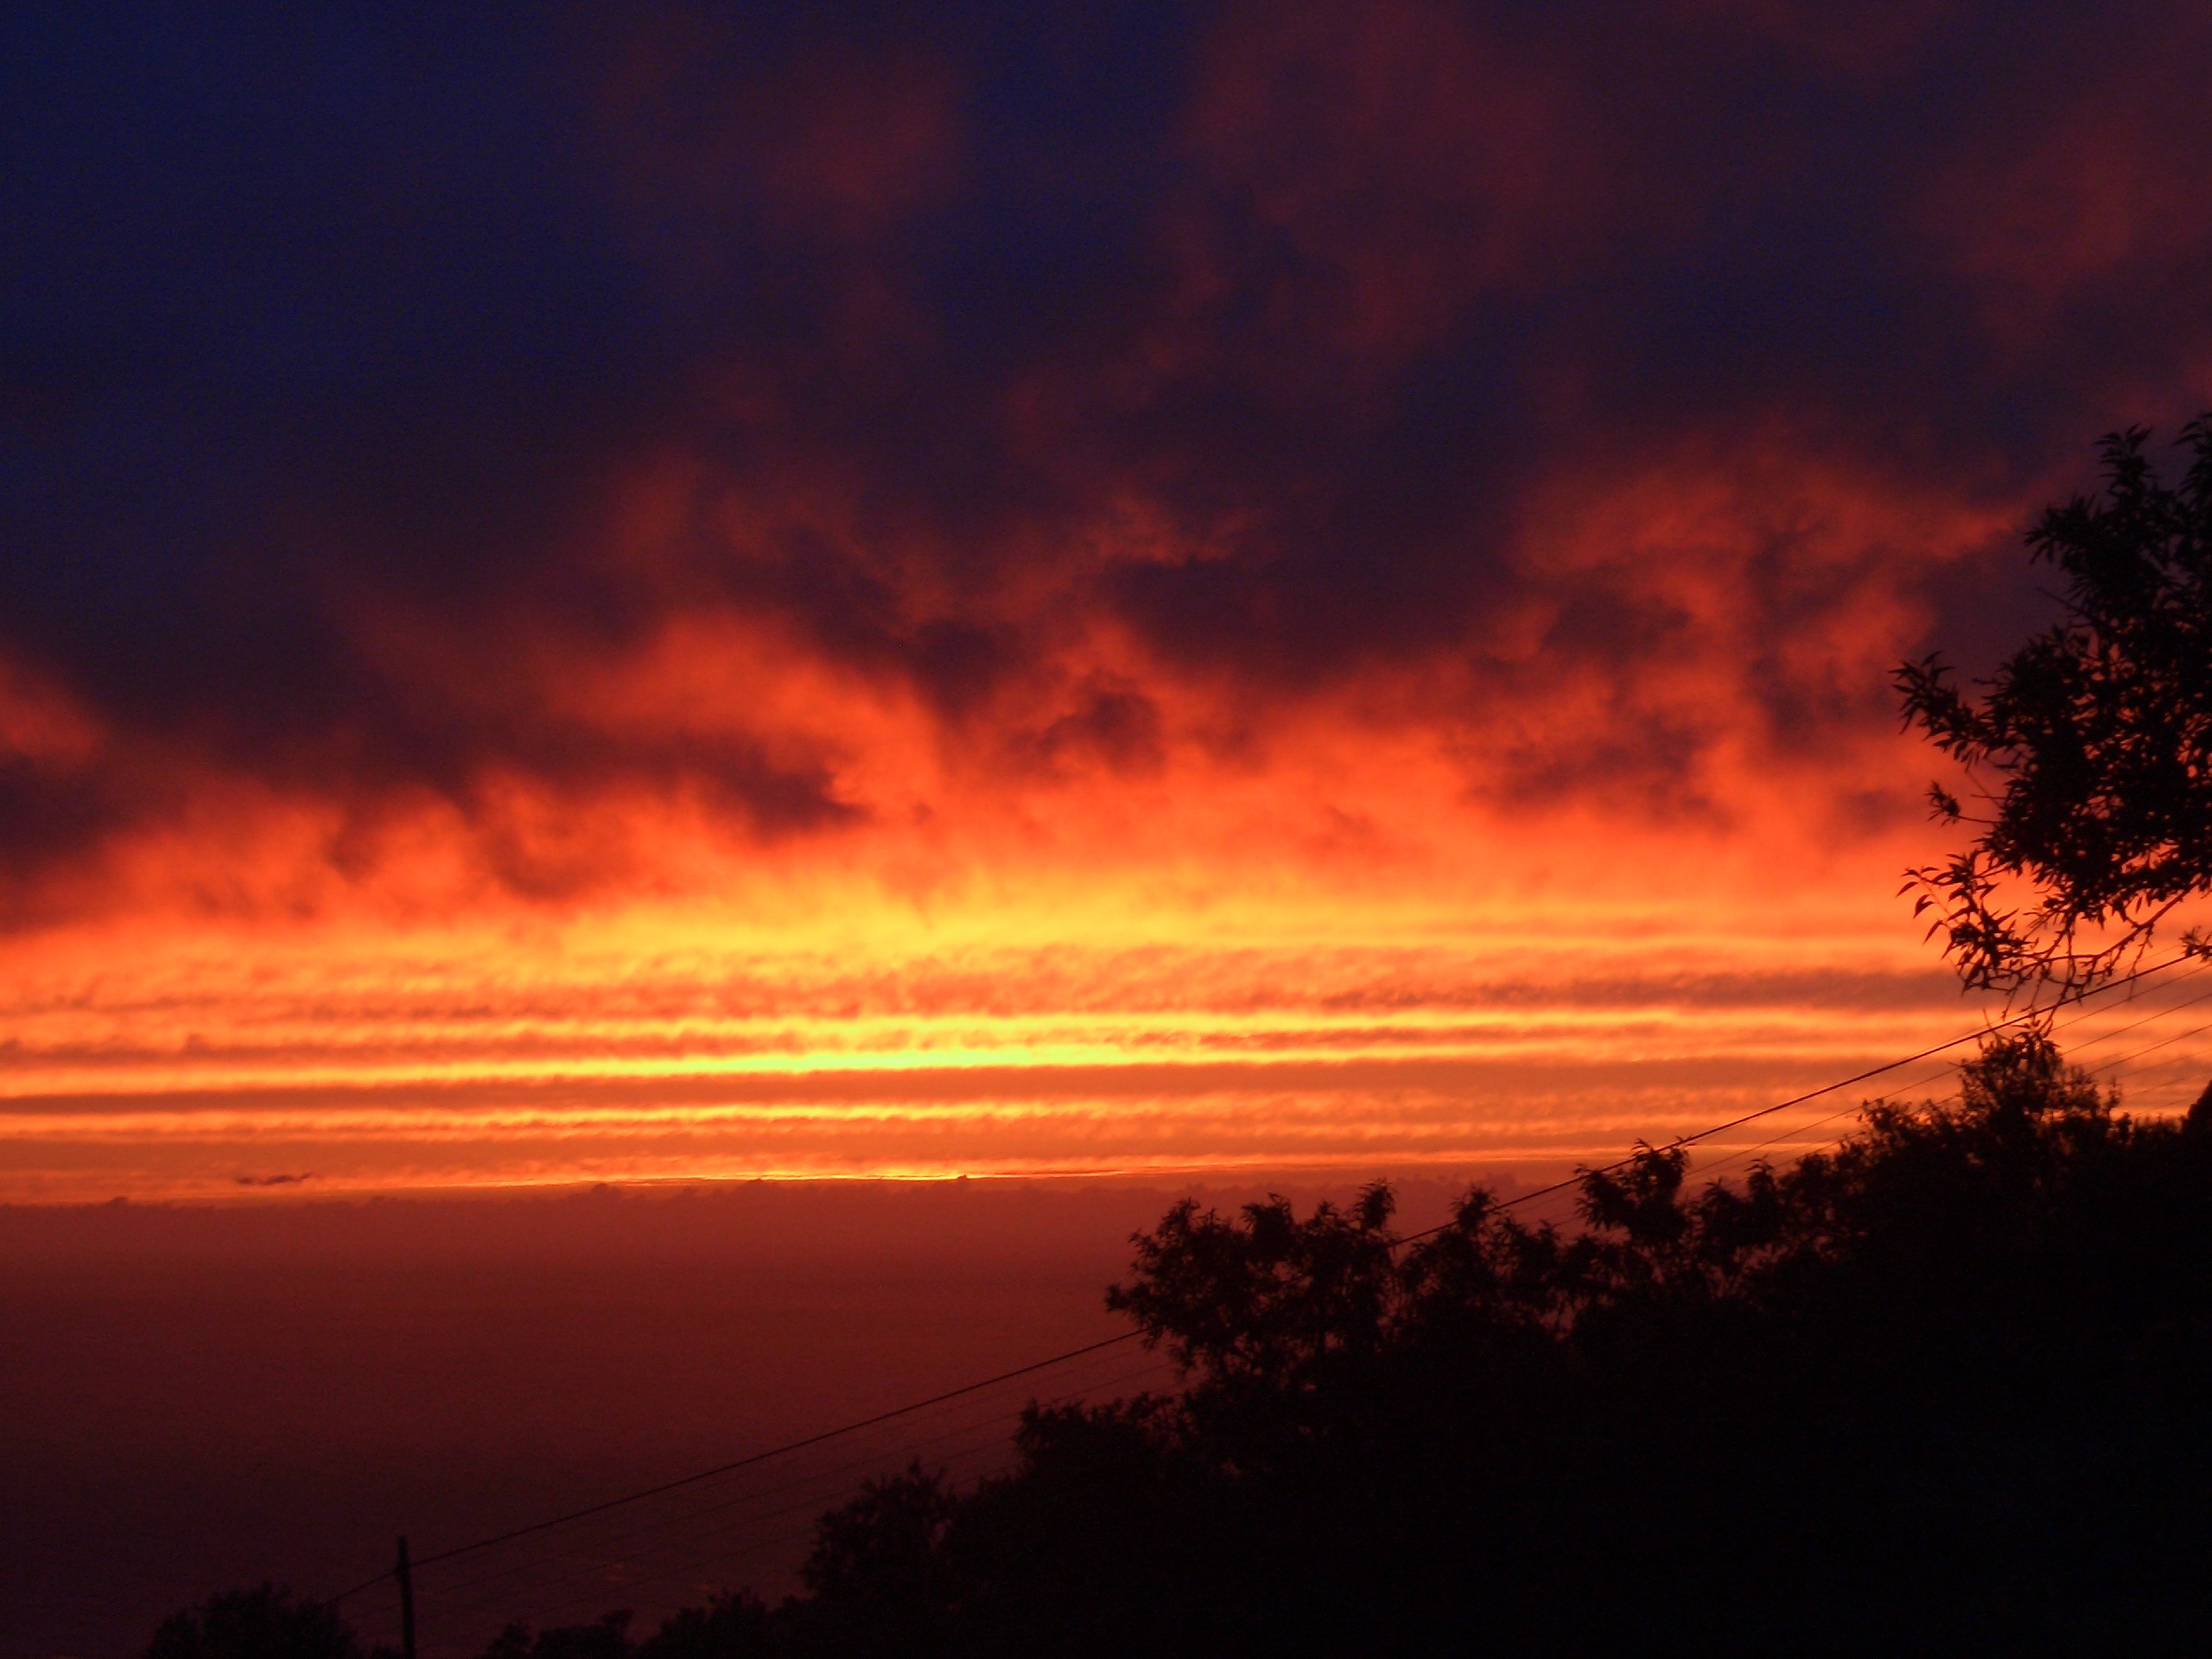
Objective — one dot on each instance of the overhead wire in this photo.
(784, 1450)
(695, 1563)
(2111, 1066)
(724, 1553)
(1520, 1200)
(2080, 1014)
(720, 1504)
(622, 1577)
(2024, 1017)
(2167, 1042)
(2136, 1025)
(995, 1420)
(991, 1429)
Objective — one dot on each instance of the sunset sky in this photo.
(670, 591)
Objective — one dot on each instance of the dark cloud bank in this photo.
(340, 343)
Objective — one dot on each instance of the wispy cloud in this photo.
(1030, 482)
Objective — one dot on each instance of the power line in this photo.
(366, 1584)
(2180, 1036)
(741, 1537)
(2075, 1052)
(2111, 1066)
(2107, 1067)
(1576, 1179)
(2080, 1015)
(1691, 1140)
(775, 1451)
(990, 1426)
(784, 1450)
(662, 1574)
(716, 1513)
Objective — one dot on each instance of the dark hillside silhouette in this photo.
(1940, 1389)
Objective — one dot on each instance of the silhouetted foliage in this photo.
(878, 1576)
(729, 1627)
(1937, 1388)
(263, 1623)
(1941, 1388)
(2096, 737)
(605, 1638)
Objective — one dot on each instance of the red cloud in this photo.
(2086, 193)
(1371, 171)
(822, 143)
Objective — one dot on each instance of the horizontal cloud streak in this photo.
(1081, 532)
(497, 1060)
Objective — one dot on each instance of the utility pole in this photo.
(406, 1602)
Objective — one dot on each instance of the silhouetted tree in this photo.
(263, 1623)
(876, 1572)
(731, 1626)
(2093, 742)
(727, 1627)
(1937, 1388)
(605, 1638)
(1940, 1389)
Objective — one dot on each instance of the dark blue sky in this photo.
(327, 327)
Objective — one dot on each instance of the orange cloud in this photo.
(1293, 582)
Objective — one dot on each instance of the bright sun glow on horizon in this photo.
(735, 593)
(1464, 1021)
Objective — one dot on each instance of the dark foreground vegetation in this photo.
(1944, 1386)
(1943, 1389)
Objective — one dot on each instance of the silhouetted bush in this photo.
(605, 1638)
(263, 1623)
(1941, 1389)
(729, 1627)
